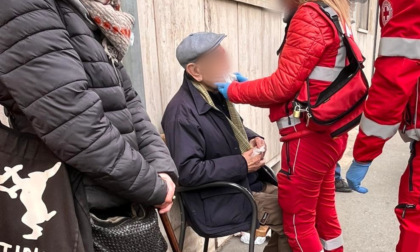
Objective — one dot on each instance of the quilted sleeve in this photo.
(44, 75)
(305, 45)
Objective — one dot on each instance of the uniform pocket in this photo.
(406, 211)
(288, 192)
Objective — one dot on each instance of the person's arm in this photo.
(393, 85)
(305, 45)
(251, 134)
(150, 143)
(187, 146)
(45, 76)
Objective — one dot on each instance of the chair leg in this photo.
(253, 227)
(252, 239)
(206, 245)
(183, 228)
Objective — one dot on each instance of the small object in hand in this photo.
(258, 151)
(174, 197)
(229, 78)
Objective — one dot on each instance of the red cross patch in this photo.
(386, 12)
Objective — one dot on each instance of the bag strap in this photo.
(331, 14)
(348, 71)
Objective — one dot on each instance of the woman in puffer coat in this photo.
(60, 78)
(312, 49)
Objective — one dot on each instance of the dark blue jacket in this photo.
(205, 150)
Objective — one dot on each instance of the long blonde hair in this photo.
(342, 7)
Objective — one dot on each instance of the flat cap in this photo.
(197, 44)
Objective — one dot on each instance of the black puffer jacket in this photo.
(56, 81)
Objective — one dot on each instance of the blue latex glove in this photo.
(223, 88)
(356, 174)
(240, 77)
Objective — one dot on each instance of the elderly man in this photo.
(209, 143)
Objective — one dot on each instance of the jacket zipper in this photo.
(116, 72)
(410, 167)
(417, 107)
(287, 173)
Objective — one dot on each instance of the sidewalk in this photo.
(368, 221)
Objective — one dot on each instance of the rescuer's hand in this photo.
(223, 88)
(240, 77)
(356, 174)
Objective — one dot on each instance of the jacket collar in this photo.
(82, 11)
(201, 105)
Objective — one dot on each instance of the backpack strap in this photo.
(349, 70)
(331, 14)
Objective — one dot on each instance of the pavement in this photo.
(368, 221)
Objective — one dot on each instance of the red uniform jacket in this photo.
(313, 50)
(394, 96)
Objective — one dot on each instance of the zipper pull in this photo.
(407, 206)
(308, 117)
(296, 111)
(116, 72)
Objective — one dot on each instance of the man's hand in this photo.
(258, 142)
(356, 174)
(254, 162)
(167, 205)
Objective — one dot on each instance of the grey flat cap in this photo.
(197, 44)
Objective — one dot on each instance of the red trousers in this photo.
(408, 209)
(307, 192)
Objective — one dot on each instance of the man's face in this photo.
(212, 67)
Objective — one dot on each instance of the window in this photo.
(362, 15)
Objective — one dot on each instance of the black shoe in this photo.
(342, 186)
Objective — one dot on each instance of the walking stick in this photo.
(170, 232)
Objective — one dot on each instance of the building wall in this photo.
(366, 37)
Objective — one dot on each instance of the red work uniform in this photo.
(313, 49)
(393, 104)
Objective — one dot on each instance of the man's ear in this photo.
(193, 70)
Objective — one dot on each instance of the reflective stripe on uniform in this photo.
(410, 135)
(325, 73)
(333, 243)
(371, 128)
(400, 47)
(285, 123)
(330, 74)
